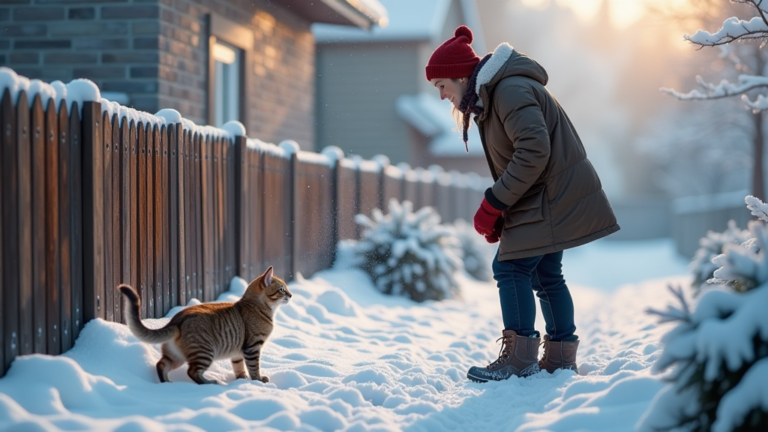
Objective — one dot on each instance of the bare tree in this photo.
(751, 61)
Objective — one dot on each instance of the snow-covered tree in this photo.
(718, 353)
(712, 245)
(410, 254)
(750, 84)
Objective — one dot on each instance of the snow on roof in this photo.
(432, 117)
(408, 20)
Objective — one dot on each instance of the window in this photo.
(229, 49)
(227, 71)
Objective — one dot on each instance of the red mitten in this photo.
(485, 218)
(496, 236)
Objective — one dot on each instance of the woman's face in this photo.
(451, 89)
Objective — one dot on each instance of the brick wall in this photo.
(281, 76)
(156, 51)
(113, 43)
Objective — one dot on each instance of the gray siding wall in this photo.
(357, 87)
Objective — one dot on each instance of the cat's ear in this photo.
(267, 276)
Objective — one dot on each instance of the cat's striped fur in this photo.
(200, 334)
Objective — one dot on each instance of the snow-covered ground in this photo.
(345, 357)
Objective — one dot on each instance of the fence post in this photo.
(93, 215)
(335, 155)
(292, 149)
(10, 258)
(241, 189)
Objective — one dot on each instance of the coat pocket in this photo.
(528, 209)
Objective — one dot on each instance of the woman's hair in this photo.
(458, 117)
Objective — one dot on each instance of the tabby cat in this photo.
(203, 333)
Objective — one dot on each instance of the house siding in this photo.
(356, 103)
(156, 51)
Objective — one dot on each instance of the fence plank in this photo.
(198, 214)
(133, 171)
(39, 275)
(52, 248)
(5, 111)
(87, 192)
(125, 203)
(146, 293)
(174, 220)
(216, 183)
(24, 161)
(158, 188)
(206, 220)
(10, 298)
(117, 234)
(184, 210)
(188, 213)
(65, 225)
(231, 212)
(348, 201)
(109, 289)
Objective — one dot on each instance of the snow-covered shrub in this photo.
(409, 253)
(718, 353)
(477, 253)
(711, 246)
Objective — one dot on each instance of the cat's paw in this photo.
(264, 379)
(242, 376)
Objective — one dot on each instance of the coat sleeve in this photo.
(523, 120)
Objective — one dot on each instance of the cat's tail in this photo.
(133, 318)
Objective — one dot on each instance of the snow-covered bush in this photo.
(711, 246)
(409, 253)
(718, 353)
(477, 253)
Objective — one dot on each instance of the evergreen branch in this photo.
(672, 314)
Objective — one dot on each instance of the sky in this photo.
(623, 13)
(345, 357)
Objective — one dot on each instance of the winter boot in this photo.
(559, 355)
(518, 356)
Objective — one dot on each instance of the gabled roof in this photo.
(362, 14)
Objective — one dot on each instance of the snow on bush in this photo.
(409, 254)
(711, 246)
(477, 253)
(718, 353)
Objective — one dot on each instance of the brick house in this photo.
(212, 60)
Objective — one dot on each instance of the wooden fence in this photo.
(90, 201)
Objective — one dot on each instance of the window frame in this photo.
(238, 36)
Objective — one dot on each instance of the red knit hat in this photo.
(455, 58)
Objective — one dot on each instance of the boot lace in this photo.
(503, 352)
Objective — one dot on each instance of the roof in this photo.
(432, 118)
(363, 14)
(408, 20)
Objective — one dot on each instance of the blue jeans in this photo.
(517, 279)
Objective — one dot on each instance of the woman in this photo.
(546, 196)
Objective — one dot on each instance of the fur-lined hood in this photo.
(506, 62)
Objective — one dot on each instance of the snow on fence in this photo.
(95, 194)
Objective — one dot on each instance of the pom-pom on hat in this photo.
(455, 58)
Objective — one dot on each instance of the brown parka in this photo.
(553, 195)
